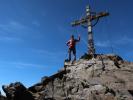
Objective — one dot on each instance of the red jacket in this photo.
(72, 42)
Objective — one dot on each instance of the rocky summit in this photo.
(101, 77)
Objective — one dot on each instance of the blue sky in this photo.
(33, 34)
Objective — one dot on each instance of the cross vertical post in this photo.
(91, 49)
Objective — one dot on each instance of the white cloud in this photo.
(14, 31)
(7, 38)
(22, 65)
(103, 44)
(120, 41)
(12, 26)
(123, 40)
(50, 53)
(52, 56)
(11, 31)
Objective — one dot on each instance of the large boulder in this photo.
(17, 91)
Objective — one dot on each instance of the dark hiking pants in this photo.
(73, 50)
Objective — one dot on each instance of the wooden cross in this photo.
(88, 20)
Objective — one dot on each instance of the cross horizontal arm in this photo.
(85, 20)
(102, 14)
(78, 22)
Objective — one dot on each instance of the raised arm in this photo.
(77, 40)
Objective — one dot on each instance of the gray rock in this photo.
(105, 77)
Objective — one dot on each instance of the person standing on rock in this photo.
(72, 46)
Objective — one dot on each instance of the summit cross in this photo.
(90, 16)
